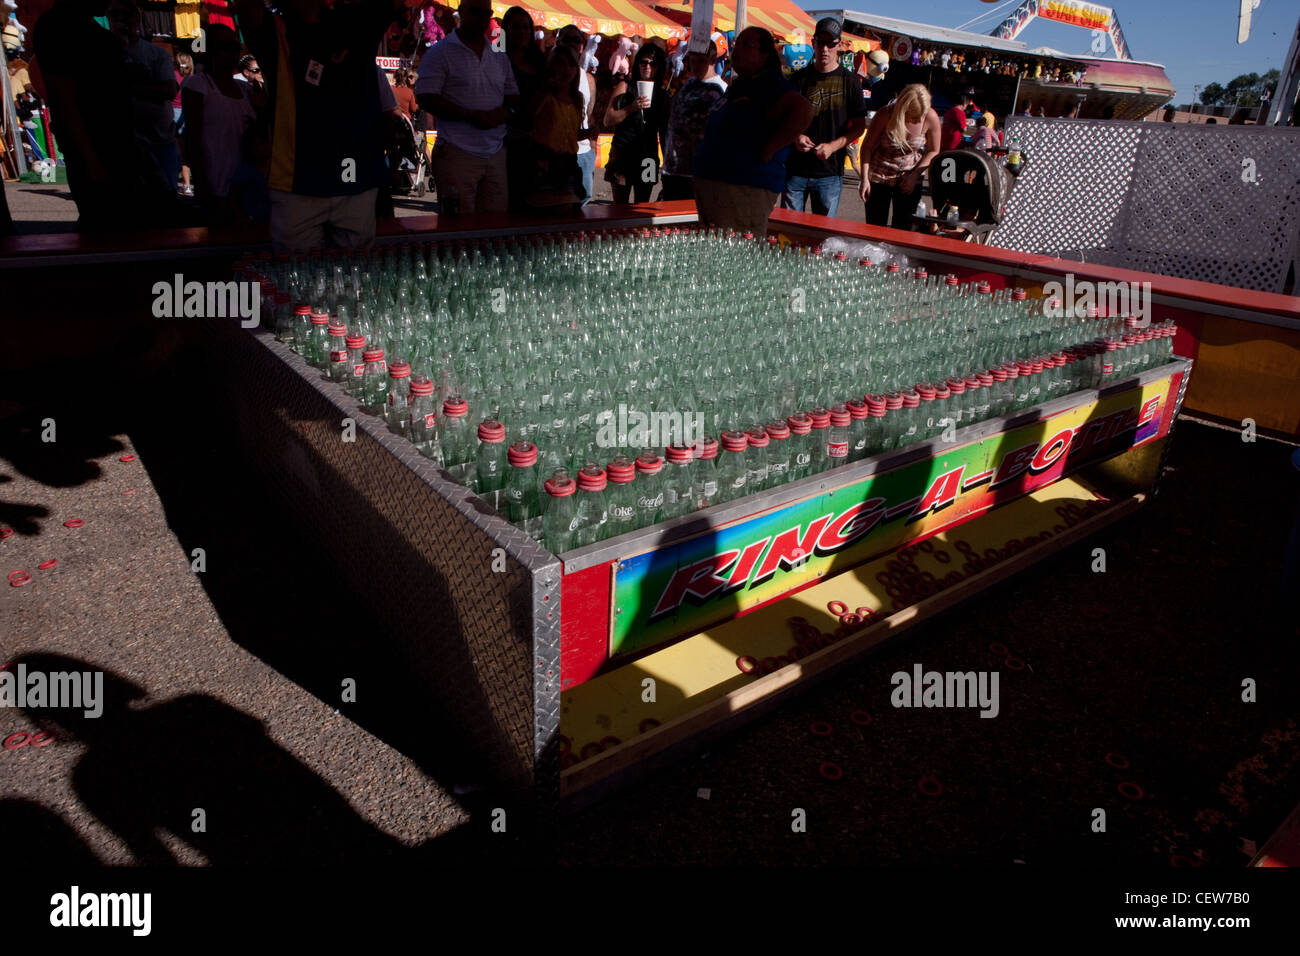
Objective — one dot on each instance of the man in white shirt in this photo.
(469, 87)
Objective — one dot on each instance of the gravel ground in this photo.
(223, 694)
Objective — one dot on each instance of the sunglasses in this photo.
(831, 44)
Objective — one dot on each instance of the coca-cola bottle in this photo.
(801, 445)
(649, 487)
(837, 437)
(396, 411)
(621, 496)
(522, 508)
(678, 482)
(338, 354)
(591, 511)
(423, 419)
(558, 522)
(706, 472)
(733, 466)
(490, 463)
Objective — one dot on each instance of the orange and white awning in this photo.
(785, 20)
(608, 17)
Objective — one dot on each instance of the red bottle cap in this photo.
(942, 393)
(372, 355)
(957, 385)
(778, 431)
(926, 391)
(821, 418)
(875, 400)
(912, 400)
(841, 257)
(920, 273)
(491, 431)
(857, 409)
(894, 400)
(591, 478)
(562, 490)
(758, 438)
(972, 381)
(864, 262)
(302, 308)
(320, 318)
(997, 374)
(651, 465)
(355, 342)
(421, 386)
(399, 369)
(735, 441)
(337, 330)
(984, 287)
(521, 454)
(1019, 295)
(840, 417)
(987, 378)
(800, 423)
(679, 454)
(621, 472)
(455, 408)
(892, 267)
(706, 449)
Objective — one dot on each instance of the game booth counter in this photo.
(542, 659)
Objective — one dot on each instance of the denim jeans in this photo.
(823, 190)
(587, 163)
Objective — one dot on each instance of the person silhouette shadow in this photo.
(205, 773)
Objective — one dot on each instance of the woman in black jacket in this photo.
(638, 124)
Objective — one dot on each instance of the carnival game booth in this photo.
(542, 658)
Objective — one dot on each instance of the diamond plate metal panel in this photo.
(1214, 203)
(486, 644)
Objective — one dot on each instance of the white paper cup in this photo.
(645, 89)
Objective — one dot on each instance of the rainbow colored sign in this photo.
(758, 559)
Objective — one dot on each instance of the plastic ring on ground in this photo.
(943, 557)
(1019, 665)
(821, 728)
(849, 619)
(127, 458)
(865, 613)
(610, 741)
(11, 744)
(1130, 790)
(925, 547)
(843, 608)
(1117, 760)
(930, 786)
(73, 523)
(861, 718)
(19, 578)
(753, 664)
(5, 532)
(41, 739)
(997, 647)
(46, 565)
(831, 771)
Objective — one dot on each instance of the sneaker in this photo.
(187, 191)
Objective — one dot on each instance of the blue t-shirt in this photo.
(738, 128)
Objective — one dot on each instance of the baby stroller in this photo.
(408, 157)
(973, 187)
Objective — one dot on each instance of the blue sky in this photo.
(1196, 40)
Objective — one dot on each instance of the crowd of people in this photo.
(288, 120)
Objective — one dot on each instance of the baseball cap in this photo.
(829, 27)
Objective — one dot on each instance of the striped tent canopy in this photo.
(785, 20)
(608, 17)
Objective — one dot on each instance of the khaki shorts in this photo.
(480, 181)
(743, 208)
(299, 223)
